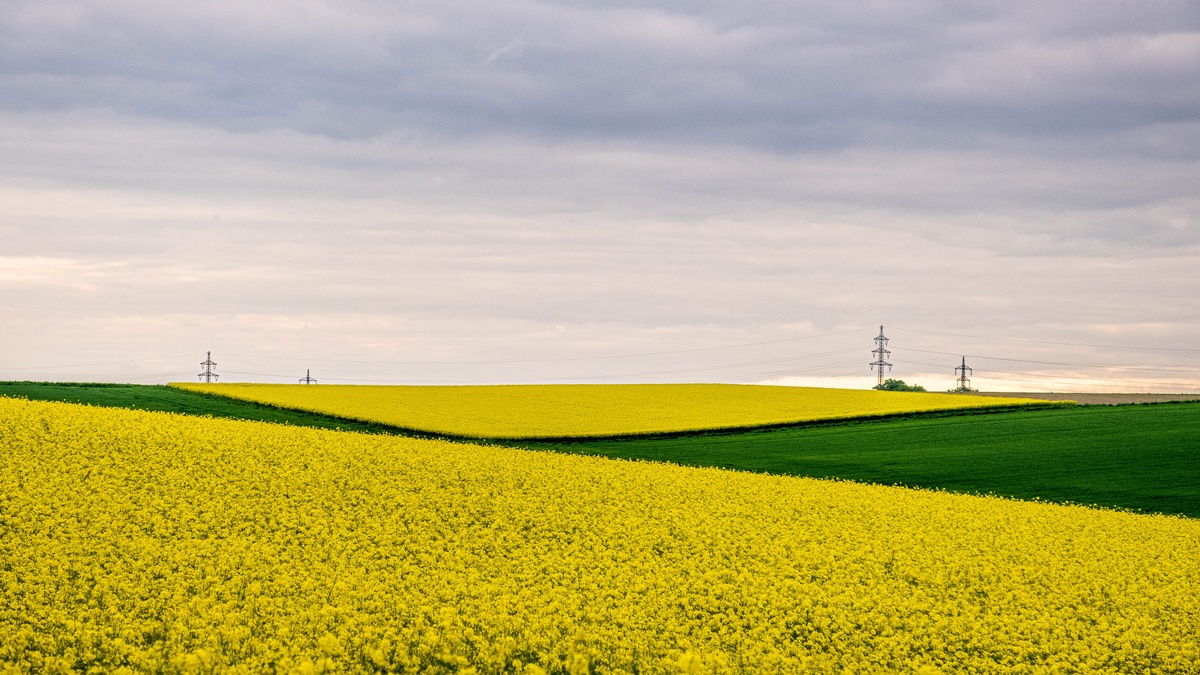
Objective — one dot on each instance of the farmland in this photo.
(161, 398)
(541, 411)
(160, 542)
(1134, 457)
(1141, 457)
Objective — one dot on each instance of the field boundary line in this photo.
(414, 432)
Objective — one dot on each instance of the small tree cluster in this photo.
(898, 385)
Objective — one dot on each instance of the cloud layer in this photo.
(526, 181)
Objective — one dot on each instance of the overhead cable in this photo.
(1044, 342)
(553, 360)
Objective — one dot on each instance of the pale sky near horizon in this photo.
(515, 191)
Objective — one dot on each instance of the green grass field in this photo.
(162, 398)
(1139, 457)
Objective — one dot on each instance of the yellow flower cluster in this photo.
(133, 541)
(533, 411)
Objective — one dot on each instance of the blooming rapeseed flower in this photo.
(157, 542)
(531, 411)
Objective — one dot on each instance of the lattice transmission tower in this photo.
(208, 375)
(307, 379)
(881, 353)
(963, 372)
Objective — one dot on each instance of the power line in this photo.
(1044, 342)
(125, 380)
(554, 360)
(101, 363)
(675, 371)
(603, 357)
(1045, 376)
(1128, 383)
(1059, 363)
(157, 376)
(881, 353)
(785, 373)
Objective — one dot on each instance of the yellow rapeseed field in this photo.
(149, 542)
(540, 411)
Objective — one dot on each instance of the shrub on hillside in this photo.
(898, 385)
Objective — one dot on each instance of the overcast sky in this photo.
(516, 191)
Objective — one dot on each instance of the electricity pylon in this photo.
(881, 353)
(208, 375)
(964, 382)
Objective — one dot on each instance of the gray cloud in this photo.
(516, 179)
(803, 77)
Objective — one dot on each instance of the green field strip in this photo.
(1143, 457)
(510, 412)
(161, 398)
(167, 398)
(683, 434)
(1138, 457)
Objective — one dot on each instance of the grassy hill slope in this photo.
(161, 398)
(1143, 457)
(548, 411)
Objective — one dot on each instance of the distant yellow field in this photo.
(542, 411)
(149, 542)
